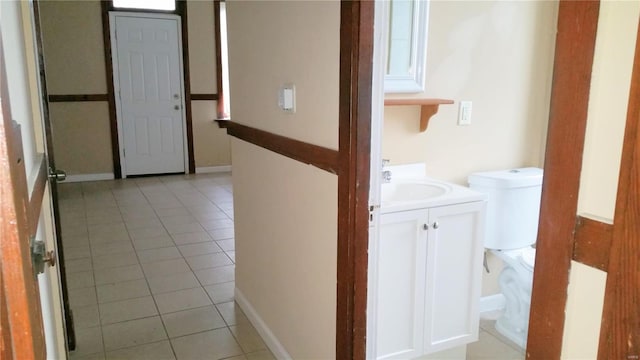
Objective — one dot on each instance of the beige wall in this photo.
(285, 211)
(74, 51)
(81, 139)
(498, 54)
(74, 60)
(286, 247)
(615, 44)
(211, 144)
(284, 41)
(74, 56)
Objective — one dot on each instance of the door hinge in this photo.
(371, 209)
(124, 152)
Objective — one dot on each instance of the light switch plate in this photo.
(464, 113)
(287, 98)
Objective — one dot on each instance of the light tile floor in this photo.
(492, 345)
(150, 269)
(150, 272)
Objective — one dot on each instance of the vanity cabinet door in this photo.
(454, 275)
(401, 270)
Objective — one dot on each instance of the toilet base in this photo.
(515, 282)
(518, 337)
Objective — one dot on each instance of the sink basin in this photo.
(411, 191)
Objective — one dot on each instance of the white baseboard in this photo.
(213, 169)
(269, 338)
(89, 177)
(491, 303)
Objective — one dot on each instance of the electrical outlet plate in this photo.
(464, 113)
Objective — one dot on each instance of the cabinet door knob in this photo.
(436, 225)
(425, 226)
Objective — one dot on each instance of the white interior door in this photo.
(149, 93)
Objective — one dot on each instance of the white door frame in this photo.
(116, 82)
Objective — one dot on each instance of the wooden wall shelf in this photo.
(428, 107)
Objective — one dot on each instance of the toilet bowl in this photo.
(516, 281)
(512, 227)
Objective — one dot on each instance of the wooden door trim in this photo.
(620, 330)
(318, 156)
(356, 71)
(204, 97)
(575, 45)
(113, 117)
(592, 242)
(78, 97)
(19, 291)
(181, 11)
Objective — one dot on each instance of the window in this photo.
(222, 60)
(226, 111)
(166, 5)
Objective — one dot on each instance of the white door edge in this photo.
(116, 83)
(377, 120)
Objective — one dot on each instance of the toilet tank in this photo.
(513, 206)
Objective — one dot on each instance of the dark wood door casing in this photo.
(181, 10)
(620, 331)
(575, 44)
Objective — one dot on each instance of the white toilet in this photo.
(512, 227)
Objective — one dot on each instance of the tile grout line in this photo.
(178, 191)
(164, 326)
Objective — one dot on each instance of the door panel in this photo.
(150, 94)
(454, 275)
(402, 254)
(53, 213)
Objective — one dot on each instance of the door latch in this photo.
(57, 175)
(40, 256)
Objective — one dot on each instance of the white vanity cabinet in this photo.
(428, 268)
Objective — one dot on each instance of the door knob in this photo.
(176, 107)
(436, 225)
(425, 227)
(57, 175)
(40, 256)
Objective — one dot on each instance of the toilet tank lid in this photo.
(513, 178)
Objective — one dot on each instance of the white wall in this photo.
(611, 78)
(286, 211)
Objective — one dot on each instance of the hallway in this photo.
(150, 269)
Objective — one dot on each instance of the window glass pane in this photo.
(225, 60)
(146, 4)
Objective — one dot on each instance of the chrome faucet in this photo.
(386, 174)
